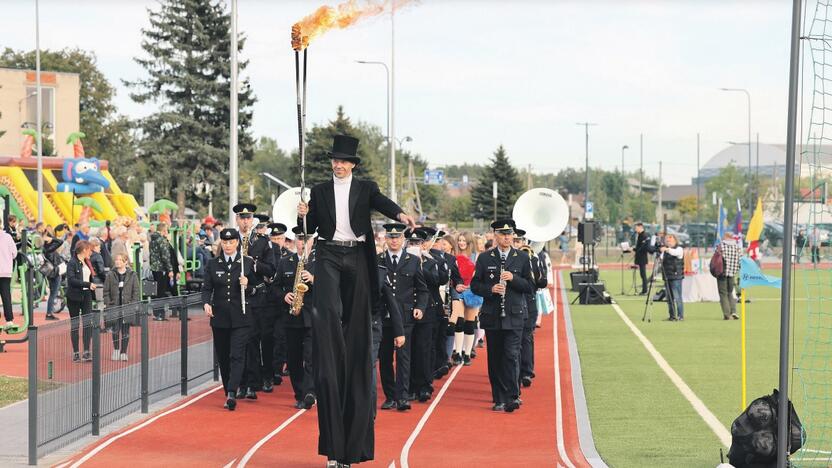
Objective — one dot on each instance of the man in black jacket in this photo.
(340, 210)
(527, 341)
(642, 253)
(503, 278)
(273, 333)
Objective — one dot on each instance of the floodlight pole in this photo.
(783, 421)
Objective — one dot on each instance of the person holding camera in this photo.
(673, 264)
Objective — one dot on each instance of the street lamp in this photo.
(390, 136)
(586, 126)
(625, 147)
(402, 141)
(748, 97)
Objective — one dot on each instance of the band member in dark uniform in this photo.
(272, 319)
(404, 273)
(262, 226)
(443, 330)
(435, 272)
(642, 249)
(385, 307)
(298, 324)
(221, 298)
(527, 341)
(345, 279)
(503, 278)
(257, 304)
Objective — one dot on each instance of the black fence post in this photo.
(96, 371)
(33, 395)
(183, 354)
(145, 356)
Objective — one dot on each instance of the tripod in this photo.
(648, 302)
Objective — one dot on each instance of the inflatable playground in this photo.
(74, 186)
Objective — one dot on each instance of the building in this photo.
(767, 160)
(18, 106)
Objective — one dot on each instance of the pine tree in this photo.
(188, 66)
(319, 143)
(509, 188)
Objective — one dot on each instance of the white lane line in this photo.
(230, 464)
(721, 432)
(415, 433)
(392, 464)
(271, 434)
(142, 425)
(558, 401)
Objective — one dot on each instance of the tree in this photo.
(455, 209)
(319, 143)
(571, 179)
(189, 74)
(687, 207)
(107, 133)
(268, 157)
(508, 188)
(730, 185)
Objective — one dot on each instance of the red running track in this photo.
(458, 430)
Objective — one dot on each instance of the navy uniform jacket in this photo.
(540, 282)
(221, 289)
(259, 249)
(385, 306)
(437, 276)
(408, 285)
(285, 279)
(487, 274)
(277, 254)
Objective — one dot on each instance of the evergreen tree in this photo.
(189, 74)
(508, 188)
(319, 143)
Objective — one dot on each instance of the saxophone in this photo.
(299, 289)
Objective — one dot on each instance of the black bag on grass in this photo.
(754, 434)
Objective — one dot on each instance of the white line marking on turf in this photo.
(721, 432)
(415, 433)
(271, 434)
(142, 425)
(558, 402)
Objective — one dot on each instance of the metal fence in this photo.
(125, 362)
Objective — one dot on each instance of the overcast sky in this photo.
(471, 75)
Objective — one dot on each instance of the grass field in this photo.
(12, 389)
(638, 416)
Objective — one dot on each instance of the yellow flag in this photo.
(755, 226)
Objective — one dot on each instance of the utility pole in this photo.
(392, 132)
(698, 180)
(233, 110)
(586, 126)
(661, 209)
(529, 181)
(640, 162)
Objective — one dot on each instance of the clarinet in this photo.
(502, 283)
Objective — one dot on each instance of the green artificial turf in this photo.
(640, 419)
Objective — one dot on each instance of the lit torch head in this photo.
(299, 41)
(339, 17)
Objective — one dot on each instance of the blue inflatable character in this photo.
(82, 176)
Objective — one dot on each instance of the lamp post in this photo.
(390, 136)
(586, 126)
(748, 97)
(625, 147)
(233, 194)
(39, 130)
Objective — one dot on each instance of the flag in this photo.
(720, 224)
(755, 228)
(738, 225)
(750, 275)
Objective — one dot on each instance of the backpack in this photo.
(717, 265)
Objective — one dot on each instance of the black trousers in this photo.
(341, 345)
(503, 364)
(421, 362)
(79, 313)
(527, 346)
(162, 290)
(254, 360)
(230, 346)
(440, 343)
(6, 296)
(269, 318)
(299, 349)
(377, 332)
(395, 384)
(642, 271)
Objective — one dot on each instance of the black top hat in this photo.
(415, 235)
(278, 229)
(229, 234)
(244, 210)
(394, 229)
(345, 147)
(262, 218)
(504, 226)
(298, 230)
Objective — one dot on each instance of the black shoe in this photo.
(498, 407)
(251, 394)
(299, 405)
(532, 375)
(526, 381)
(466, 360)
(278, 379)
(403, 405)
(308, 401)
(424, 396)
(670, 319)
(411, 397)
(76, 357)
(230, 402)
(456, 359)
(51, 317)
(86, 356)
(512, 405)
(473, 354)
(241, 393)
(480, 343)
(441, 372)
(268, 387)
(388, 404)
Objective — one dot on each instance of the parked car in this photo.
(700, 234)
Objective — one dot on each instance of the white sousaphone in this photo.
(542, 213)
(285, 209)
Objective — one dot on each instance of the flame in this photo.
(341, 16)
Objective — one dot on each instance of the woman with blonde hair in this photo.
(465, 323)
